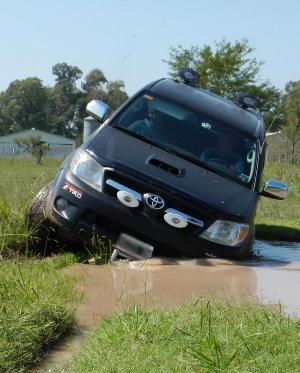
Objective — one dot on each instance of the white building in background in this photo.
(59, 146)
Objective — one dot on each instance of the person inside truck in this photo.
(224, 154)
(153, 126)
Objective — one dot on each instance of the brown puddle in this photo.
(109, 289)
(167, 282)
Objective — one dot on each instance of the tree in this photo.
(59, 109)
(66, 75)
(226, 70)
(94, 81)
(97, 86)
(291, 128)
(23, 105)
(33, 144)
(63, 99)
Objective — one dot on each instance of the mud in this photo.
(272, 276)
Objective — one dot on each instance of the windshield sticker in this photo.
(206, 125)
(73, 190)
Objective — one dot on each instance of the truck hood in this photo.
(208, 189)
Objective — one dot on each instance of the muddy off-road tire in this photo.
(43, 232)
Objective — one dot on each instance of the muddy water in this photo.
(273, 275)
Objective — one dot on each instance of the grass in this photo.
(20, 180)
(33, 309)
(280, 219)
(35, 297)
(198, 337)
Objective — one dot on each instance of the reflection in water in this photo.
(269, 251)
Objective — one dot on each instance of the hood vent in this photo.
(164, 166)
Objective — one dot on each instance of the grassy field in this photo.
(33, 309)
(204, 337)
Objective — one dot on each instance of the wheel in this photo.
(248, 247)
(43, 231)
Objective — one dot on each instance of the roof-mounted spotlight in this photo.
(246, 100)
(188, 75)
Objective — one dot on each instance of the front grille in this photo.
(172, 200)
(113, 228)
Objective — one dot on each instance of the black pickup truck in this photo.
(175, 170)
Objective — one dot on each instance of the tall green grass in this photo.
(35, 298)
(35, 309)
(20, 180)
(198, 337)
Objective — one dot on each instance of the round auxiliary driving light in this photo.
(127, 199)
(61, 203)
(246, 100)
(188, 75)
(175, 220)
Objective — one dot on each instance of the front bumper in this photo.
(90, 212)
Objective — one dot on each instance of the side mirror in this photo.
(97, 109)
(275, 189)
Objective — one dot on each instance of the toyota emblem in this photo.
(154, 202)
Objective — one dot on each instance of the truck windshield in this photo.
(201, 138)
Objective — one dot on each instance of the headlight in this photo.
(87, 169)
(226, 232)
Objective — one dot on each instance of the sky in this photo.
(129, 39)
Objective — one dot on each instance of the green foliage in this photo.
(33, 144)
(59, 109)
(94, 81)
(225, 70)
(291, 125)
(203, 336)
(33, 309)
(97, 86)
(23, 105)
(63, 99)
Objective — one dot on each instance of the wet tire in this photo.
(43, 232)
(248, 250)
